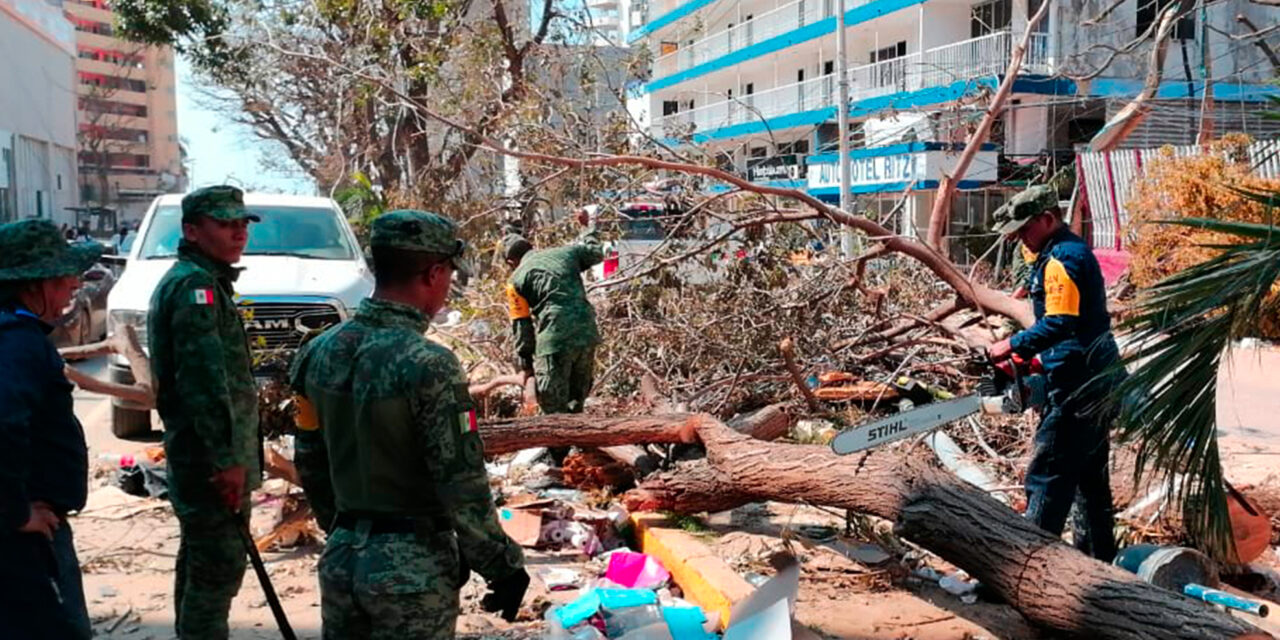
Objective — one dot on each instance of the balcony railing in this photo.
(788, 17)
(980, 57)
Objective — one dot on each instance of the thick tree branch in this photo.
(981, 296)
(1260, 42)
(1127, 119)
(940, 216)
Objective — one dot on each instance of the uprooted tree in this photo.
(423, 99)
(1049, 582)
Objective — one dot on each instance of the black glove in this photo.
(506, 594)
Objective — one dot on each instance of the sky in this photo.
(223, 152)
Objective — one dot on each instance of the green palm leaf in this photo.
(1178, 334)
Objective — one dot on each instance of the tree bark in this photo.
(1051, 583)
(568, 429)
(789, 359)
(769, 423)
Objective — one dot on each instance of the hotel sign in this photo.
(788, 167)
(900, 168)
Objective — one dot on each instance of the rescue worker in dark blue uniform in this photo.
(44, 462)
(1072, 336)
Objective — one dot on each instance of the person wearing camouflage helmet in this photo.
(1072, 336)
(404, 457)
(546, 290)
(207, 399)
(43, 457)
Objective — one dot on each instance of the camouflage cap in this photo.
(515, 246)
(36, 250)
(1024, 206)
(412, 230)
(223, 202)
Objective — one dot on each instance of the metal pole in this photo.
(842, 117)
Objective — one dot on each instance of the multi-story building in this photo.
(128, 128)
(611, 22)
(753, 82)
(37, 113)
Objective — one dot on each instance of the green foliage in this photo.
(193, 27)
(361, 202)
(1181, 328)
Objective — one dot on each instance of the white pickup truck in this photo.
(303, 270)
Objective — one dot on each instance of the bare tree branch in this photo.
(940, 216)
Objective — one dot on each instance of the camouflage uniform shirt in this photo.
(547, 286)
(205, 391)
(400, 432)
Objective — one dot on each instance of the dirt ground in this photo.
(128, 559)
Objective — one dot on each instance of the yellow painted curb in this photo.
(705, 579)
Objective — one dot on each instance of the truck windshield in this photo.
(304, 232)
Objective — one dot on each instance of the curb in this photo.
(705, 579)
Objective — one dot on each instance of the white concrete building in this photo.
(753, 81)
(37, 112)
(611, 21)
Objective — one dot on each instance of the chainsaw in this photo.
(1011, 387)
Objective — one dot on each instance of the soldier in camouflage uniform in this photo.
(546, 288)
(43, 458)
(207, 398)
(405, 460)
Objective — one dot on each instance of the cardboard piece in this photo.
(523, 523)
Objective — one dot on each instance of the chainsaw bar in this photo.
(905, 424)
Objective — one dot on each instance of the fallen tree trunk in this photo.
(578, 430)
(770, 423)
(1049, 582)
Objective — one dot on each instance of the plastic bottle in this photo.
(124, 461)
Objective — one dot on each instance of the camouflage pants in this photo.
(389, 586)
(564, 379)
(211, 565)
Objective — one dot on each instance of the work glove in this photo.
(506, 594)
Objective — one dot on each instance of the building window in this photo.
(990, 17)
(93, 26)
(670, 107)
(110, 107)
(114, 83)
(1149, 11)
(799, 148)
(892, 74)
(110, 56)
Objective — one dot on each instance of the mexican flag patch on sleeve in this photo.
(204, 296)
(467, 422)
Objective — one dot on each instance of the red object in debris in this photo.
(611, 264)
(741, 254)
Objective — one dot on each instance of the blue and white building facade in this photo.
(753, 82)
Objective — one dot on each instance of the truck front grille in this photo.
(276, 326)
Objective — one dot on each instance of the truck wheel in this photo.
(129, 423)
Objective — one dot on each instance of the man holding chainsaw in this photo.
(208, 400)
(1072, 336)
(405, 461)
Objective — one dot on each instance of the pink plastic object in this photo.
(636, 571)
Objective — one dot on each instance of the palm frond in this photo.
(1181, 328)
(1246, 229)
